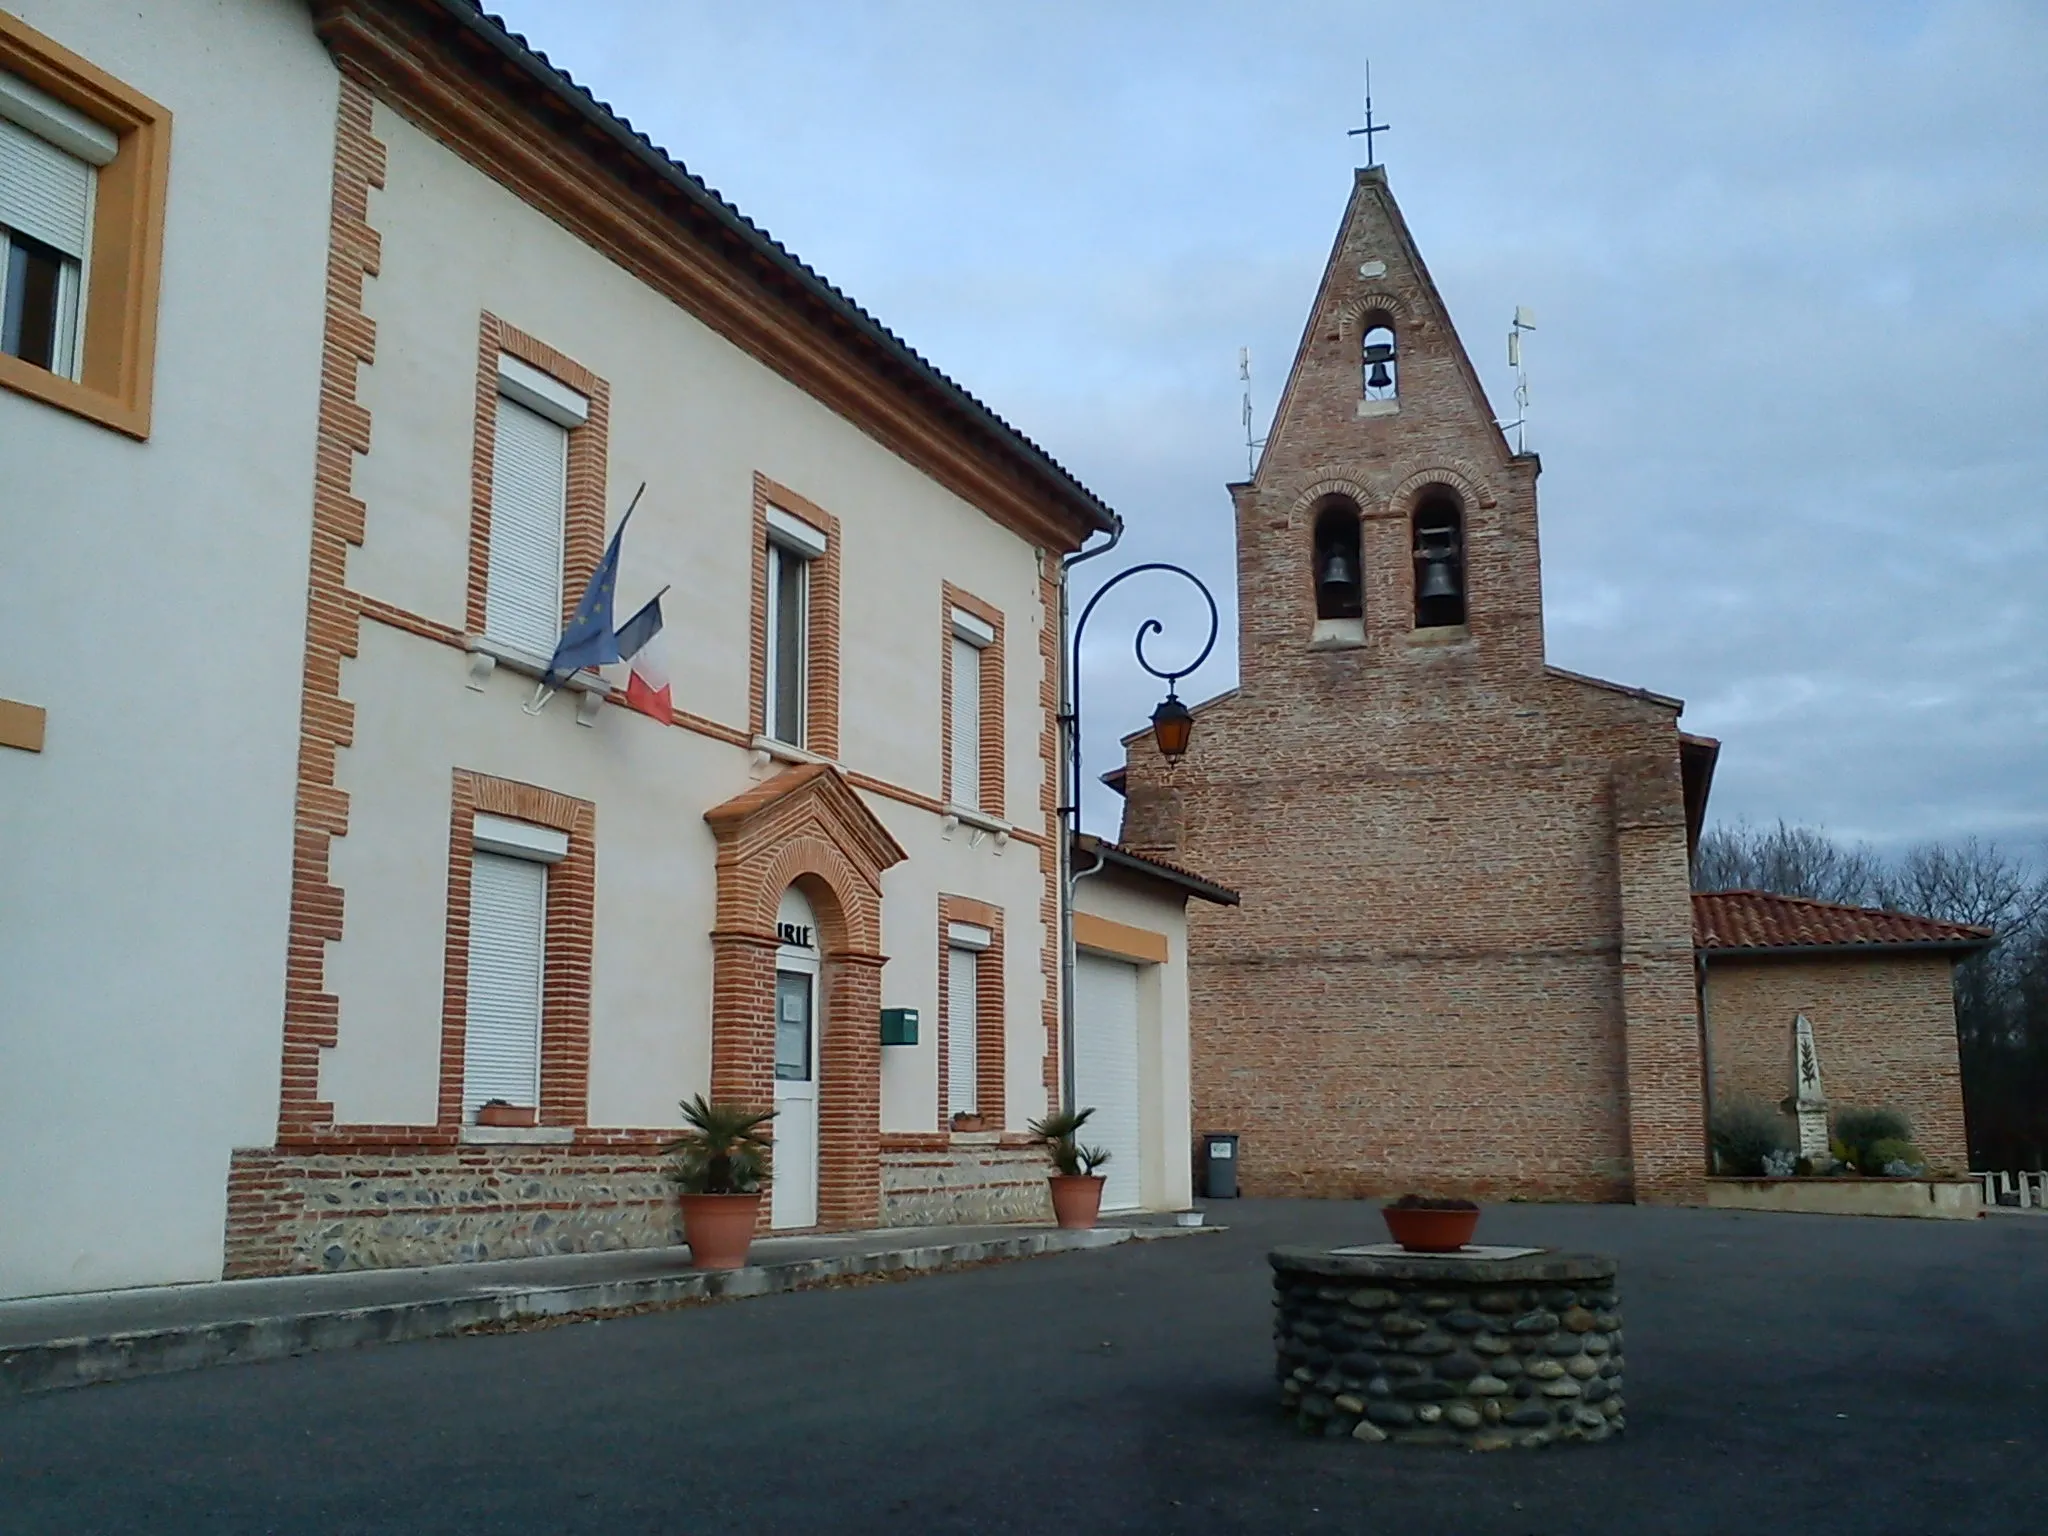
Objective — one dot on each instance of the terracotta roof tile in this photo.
(1761, 920)
(1175, 874)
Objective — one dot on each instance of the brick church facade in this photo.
(1464, 959)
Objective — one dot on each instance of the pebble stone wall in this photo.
(1484, 1354)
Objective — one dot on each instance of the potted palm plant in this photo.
(720, 1162)
(1076, 1186)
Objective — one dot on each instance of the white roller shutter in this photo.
(966, 786)
(529, 501)
(508, 901)
(963, 1045)
(1106, 1072)
(45, 193)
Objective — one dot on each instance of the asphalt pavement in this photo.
(1788, 1373)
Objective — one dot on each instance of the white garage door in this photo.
(1106, 1071)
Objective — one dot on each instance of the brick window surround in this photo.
(993, 769)
(118, 355)
(583, 533)
(821, 695)
(567, 950)
(989, 1012)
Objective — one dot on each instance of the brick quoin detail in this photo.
(1463, 958)
(568, 945)
(991, 1011)
(806, 827)
(994, 766)
(583, 533)
(326, 720)
(821, 696)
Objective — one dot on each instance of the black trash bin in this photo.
(1219, 1165)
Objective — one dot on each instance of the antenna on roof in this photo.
(1523, 321)
(1251, 444)
(1370, 127)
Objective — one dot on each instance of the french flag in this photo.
(647, 688)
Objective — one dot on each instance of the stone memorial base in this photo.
(1482, 1352)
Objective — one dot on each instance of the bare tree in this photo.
(1787, 860)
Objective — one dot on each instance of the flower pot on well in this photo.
(1431, 1228)
(498, 1112)
(719, 1228)
(1076, 1198)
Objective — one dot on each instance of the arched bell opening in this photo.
(1336, 562)
(1379, 360)
(1439, 553)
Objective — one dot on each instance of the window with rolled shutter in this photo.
(529, 489)
(963, 1054)
(966, 786)
(508, 900)
(45, 223)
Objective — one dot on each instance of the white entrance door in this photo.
(793, 1198)
(1106, 1072)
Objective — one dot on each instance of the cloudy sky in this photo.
(1789, 264)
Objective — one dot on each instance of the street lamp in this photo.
(1173, 729)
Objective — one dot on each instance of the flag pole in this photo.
(546, 691)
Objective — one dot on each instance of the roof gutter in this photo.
(1709, 952)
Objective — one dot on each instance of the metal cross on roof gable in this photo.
(1370, 127)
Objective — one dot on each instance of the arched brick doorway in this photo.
(807, 828)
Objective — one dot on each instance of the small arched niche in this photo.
(1379, 358)
(1336, 567)
(1438, 525)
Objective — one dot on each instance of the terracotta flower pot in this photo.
(719, 1228)
(1427, 1231)
(1076, 1198)
(520, 1116)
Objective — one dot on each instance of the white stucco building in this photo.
(343, 338)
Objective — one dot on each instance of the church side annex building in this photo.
(1464, 957)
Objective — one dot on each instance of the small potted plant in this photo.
(1076, 1186)
(499, 1112)
(1430, 1223)
(720, 1162)
(969, 1120)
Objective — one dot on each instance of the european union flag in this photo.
(589, 641)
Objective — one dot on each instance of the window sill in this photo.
(979, 824)
(126, 417)
(516, 1135)
(1441, 634)
(487, 655)
(1337, 635)
(767, 749)
(1379, 408)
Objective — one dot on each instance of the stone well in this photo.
(1520, 1348)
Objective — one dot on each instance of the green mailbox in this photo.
(899, 1026)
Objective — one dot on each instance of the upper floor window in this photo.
(1439, 526)
(974, 706)
(1380, 369)
(793, 545)
(84, 164)
(1340, 588)
(49, 174)
(529, 506)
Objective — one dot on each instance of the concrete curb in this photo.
(78, 1362)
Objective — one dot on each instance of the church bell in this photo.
(1338, 571)
(1437, 581)
(1378, 355)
